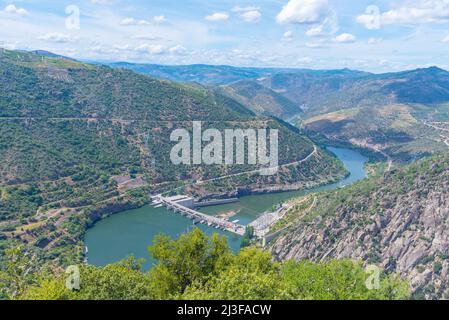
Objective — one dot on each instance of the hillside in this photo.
(45, 87)
(317, 91)
(79, 142)
(398, 221)
(314, 91)
(274, 91)
(237, 82)
(402, 132)
(395, 114)
(389, 113)
(321, 92)
(261, 99)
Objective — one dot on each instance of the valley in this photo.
(386, 113)
(189, 154)
(130, 232)
(100, 147)
(79, 170)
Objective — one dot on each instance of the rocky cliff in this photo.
(398, 221)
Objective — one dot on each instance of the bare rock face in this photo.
(59, 74)
(401, 223)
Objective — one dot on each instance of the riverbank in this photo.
(321, 140)
(130, 232)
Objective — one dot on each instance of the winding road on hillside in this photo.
(313, 153)
(433, 125)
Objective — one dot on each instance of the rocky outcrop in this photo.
(399, 222)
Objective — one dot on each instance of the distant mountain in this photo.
(426, 86)
(260, 99)
(317, 91)
(326, 91)
(223, 74)
(256, 88)
(204, 74)
(387, 112)
(378, 111)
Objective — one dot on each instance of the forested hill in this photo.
(398, 221)
(81, 141)
(318, 91)
(324, 91)
(260, 99)
(35, 85)
(58, 114)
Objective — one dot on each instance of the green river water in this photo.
(131, 232)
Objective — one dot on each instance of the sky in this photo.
(371, 35)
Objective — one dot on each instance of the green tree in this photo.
(337, 280)
(250, 275)
(199, 267)
(120, 281)
(18, 270)
(193, 258)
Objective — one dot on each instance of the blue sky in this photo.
(372, 35)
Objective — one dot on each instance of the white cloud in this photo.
(134, 22)
(152, 48)
(178, 50)
(147, 37)
(121, 47)
(57, 37)
(142, 22)
(12, 9)
(383, 62)
(446, 39)
(315, 31)
(345, 38)
(251, 16)
(127, 22)
(410, 12)
(159, 19)
(157, 49)
(304, 11)
(217, 16)
(288, 36)
(102, 49)
(370, 21)
(248, 14)
(9, 45)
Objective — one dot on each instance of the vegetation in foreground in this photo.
(198, 267)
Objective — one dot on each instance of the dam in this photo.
(185, 205)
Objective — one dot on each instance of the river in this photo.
(131, 232)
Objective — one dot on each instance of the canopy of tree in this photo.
(198, 267)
